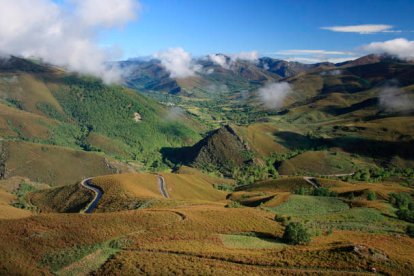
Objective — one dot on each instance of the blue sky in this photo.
(202, 27)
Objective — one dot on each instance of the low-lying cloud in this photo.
(274, 94)
(178, 63)
(64, 34)
(221, 60)
(227, 61)
(249, 56)
(400, 47)
(394, 99)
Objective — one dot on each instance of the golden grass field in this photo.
(191, 234)
(189, 240)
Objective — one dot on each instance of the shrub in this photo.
(296, 233)
(371, 196)
(302, 191)
(323, 192)
(234, 204)
(315, 192)
(400, 200)
(282, 219)
(224, 187)
(406, 215)
(410, 231)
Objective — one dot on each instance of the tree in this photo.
(296, 233)
(371, 196)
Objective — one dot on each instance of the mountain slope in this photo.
(83, 113)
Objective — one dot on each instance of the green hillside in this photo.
(42, 104)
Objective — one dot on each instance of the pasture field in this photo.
(211, 238)
(188, 234)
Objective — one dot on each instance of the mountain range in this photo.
(195, 174)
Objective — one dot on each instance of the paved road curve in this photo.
(87, 183)
(163, 186)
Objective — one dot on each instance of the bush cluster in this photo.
(380, 174)
(405, 205)
(296, 233)
(322, 191)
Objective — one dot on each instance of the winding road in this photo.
(163, 186)
(86, 183)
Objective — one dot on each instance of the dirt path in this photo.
(86, 183)
(163, 186)
(312, 181)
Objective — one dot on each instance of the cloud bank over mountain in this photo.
(178, 62)
(400, 47)
(64, 34)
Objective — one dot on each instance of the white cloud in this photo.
(393, 99)
(362, 29)
(178, 62)
(221, 60)
(273, 94)
(400, 47)
(65, 34)
(108, 13)
(227, 61)
(249, 56)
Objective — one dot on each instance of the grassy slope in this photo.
(193, 187)
(261, 138)
(65, 199)
(318, 162)
(81, 112)
(130, 191)
(52, 164)
(133, 191)
(189, 240)
(7, 211)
